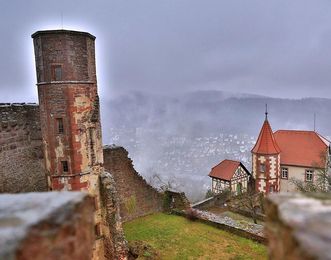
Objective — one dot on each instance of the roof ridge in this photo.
(223, 161)
(319, 136)
(231, 160)
(294, 130)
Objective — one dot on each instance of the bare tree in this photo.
(157, 181)
(250, 202)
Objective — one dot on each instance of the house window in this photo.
(57, 72)
(65, 166)
(284, 173)
(262, 167)
(309, 175)
(271, 189)
(60, 127)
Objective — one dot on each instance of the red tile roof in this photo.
(266, 143)
(301, 148)
(224, 170)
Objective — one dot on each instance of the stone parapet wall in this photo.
(175, 200)
(298, 226)
(216, 200)
(137, 197)
(47, 225)
(21, 156)
(252, 231)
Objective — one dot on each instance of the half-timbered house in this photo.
(229, 175)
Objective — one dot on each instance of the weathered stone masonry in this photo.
(61, 139)
(46, 225)
(70, 122)
(116, 246)
(130, 185)
(21, 156)
(67, 89)
(298, 226)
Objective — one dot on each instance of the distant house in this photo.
(279, 156)
(231, 175)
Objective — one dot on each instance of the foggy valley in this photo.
(180, 137)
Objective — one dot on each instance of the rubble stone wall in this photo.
(298, 226)
(175, 200)
(21, 156)
(137, 197)
(115, 245)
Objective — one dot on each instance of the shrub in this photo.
(130, 204)
(167, 202)
(209, 194)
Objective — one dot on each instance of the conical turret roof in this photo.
(266, 143)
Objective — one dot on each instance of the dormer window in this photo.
(56, 73)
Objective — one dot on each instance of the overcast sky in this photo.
(280, 48)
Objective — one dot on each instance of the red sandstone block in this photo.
(79, 186)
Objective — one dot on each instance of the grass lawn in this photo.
(175, 237)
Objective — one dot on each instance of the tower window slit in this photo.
(92, 145)
(57, 72)
(65, 166)
(60, 126)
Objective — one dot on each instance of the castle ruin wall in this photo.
(137, 197)
(21, 156)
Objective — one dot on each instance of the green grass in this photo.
(176, 237)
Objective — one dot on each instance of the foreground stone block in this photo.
(48, 225)
(298, 226)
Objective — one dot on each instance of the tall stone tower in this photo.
(69, 108)
(266, 161)
(69, 111)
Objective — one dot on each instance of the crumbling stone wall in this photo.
(137, 197)
(298, 226)
(115, 246)
(21, 156)
(175, 200)
(47, 225)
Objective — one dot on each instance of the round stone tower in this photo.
(69, 108)
(69, 113)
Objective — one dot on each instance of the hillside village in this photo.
(83, 197)
(184, 160)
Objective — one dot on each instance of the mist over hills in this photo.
(180, 138)
(202, 113)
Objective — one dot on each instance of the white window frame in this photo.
(284, 171)
(309, 173)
